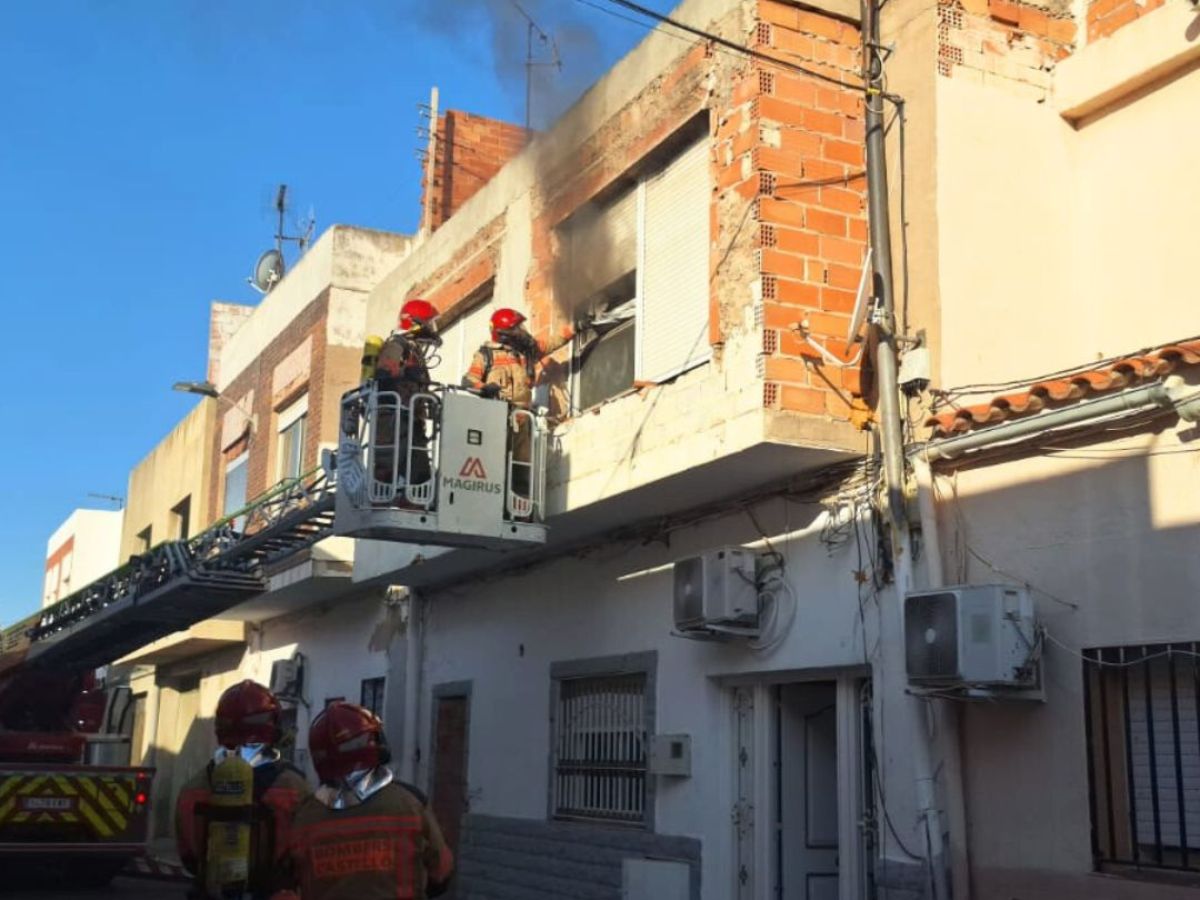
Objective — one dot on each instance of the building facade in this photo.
(84, 547)
(711, 397)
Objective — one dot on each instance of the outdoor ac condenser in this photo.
(970, 635)
(716, 590)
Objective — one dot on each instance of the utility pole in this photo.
(891, 439)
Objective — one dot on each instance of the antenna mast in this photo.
(532, 30)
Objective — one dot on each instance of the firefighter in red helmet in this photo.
(402, 367)
(364, 835)
(506, 367)
(248, 730)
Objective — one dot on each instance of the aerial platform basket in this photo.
(447, 468)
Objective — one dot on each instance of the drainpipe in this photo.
(413, 665)
(891, 436)
(1138, 399)
(948, 716)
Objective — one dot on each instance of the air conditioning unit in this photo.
(287, 678)
(717, 592)
(971, 636)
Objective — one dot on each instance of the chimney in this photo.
(466, 150)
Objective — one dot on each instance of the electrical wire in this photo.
(1112, 452)
(733, 45)
(956, 506)
(985, 387)
(1096, 661)
(638, 22)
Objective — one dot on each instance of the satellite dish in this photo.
(268, 271)
(862, 301)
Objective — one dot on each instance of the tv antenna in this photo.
(533, 30)
(271, 267)
(119, 502)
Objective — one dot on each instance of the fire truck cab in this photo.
(447, 467)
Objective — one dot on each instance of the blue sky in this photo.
(139, 148)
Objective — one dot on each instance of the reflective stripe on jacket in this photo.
(389, 847)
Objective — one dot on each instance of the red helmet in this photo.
(505, 319)
(247, 713)
(345, 738)
(416, 314)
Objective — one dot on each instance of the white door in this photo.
(807, 791)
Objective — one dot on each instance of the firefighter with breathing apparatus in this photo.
(232, 820)
(364, 835)
(400, 365)
(506, 368)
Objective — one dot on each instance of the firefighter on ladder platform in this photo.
(506, 367)
(364, 835)
(400, 365)
(233, 818)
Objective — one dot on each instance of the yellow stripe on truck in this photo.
(101, 805)
(115, 785)
(9, 784)
(101, 827)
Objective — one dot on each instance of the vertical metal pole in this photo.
(1090, 743)
(430, 163)
(1133, 823)
(1183, 841)
(1110, 819)
(1154, 803)
(528, 74)
(891, 434)
(890, 430)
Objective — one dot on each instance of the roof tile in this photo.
(1077, 386)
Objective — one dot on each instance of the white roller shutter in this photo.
(1157, 724)
(447, 370)
(476, 330)
(459, 343)
(673, 279)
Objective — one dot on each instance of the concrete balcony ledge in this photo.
(214, 634)
(723, 480)
(1157, 46)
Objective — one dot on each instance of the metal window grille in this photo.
(371, 695)
(1143, 738)
(600, 744)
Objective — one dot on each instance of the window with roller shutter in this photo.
(461, 337)
(636, 269)
(673, 269)
(1142, 708)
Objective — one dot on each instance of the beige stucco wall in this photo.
(1113, 528)
(350, 261)
(1063, 245)
(82, 548)
(177, 468)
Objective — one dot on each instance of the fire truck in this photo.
(447, 467)
(70, 804)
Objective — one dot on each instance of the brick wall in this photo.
(788, 208)
(224, 319)
(794, 148)
(1104, 17)
(329, 375)
(467, 151)
(508, 858)
(1011, 44)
